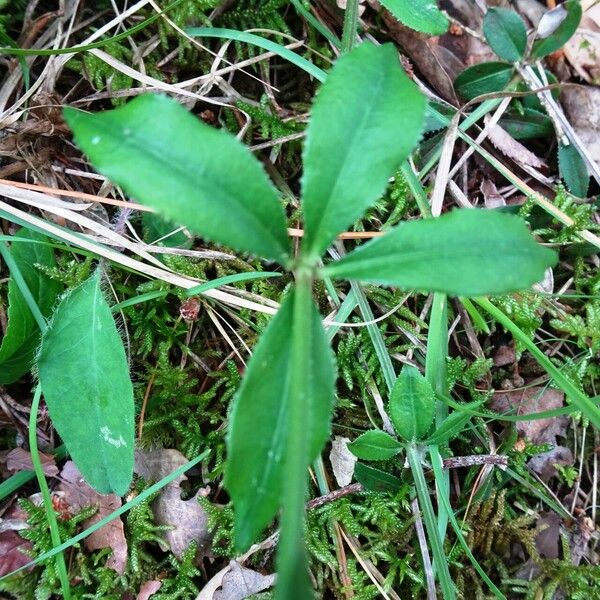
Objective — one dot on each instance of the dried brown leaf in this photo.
(235, 582)
(342, 461)
(78, 494)
(582, 108)
(583, 49)
(187, 518)
(510, 147)
(20, 460)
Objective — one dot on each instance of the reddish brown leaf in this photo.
(20, 460)
(12, 552)
(79, 494)
(148, 589)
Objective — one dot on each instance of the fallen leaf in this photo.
(582, 108)
(547, 541)
(78, 494)
(20, 460)
(13, 550)
(187, 518)
(583, 49)
(342, 461)
(541, 431)
(579, 538)
(492, 198)
(510, 147)
(505, 355)
(532, 400)
(235, 582)
(148, 588)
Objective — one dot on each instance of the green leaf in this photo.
(366, 119)
(505, 32)
(375, 445)
(22, 334)
(420, 15)
(85, 380)
(556, 28)
(573, 170)
(529, 125)
(467, 252)
(412, 404)
(376, 480)
(484, 78)
(189, 172)
(259, 424)
(161, 231)
(450, 428)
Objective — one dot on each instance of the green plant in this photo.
(182, 168)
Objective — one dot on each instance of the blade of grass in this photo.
(235, 278)
(583, 403)
(38, 469)
(324, 31)
(413, 455)
(261, 42)
(350, 25)
(438, 471)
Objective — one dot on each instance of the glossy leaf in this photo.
(85, 380)
(467, 252)
(505, 32)
(556, 28)
(573, 170)
(484, 78)
(376, 480)
(375, 445)
(22, 337)
(259, 424)
(529, 125)
(366, 119)
(189, 172)
(412, 404)
(420, 15)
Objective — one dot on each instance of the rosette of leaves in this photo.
(365, 121)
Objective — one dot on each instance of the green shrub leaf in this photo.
(189, 172)
(573, 170)
(375, 445)
(420, 15)
(366, 119)
(505, 32)
(376, 480)
(528, 125)
(412, 404)
(556, 28)
(259, 424)
(450, 428)
(23, 334)
(485, 78)
(85, 380)
(468, 252)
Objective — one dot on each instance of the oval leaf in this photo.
(191, 173)
(85, 381)
(556, 28)
(531, 124)
(468, 252)
(573, 170)
(22, 337)
(259, 422)
(375, 445)
(412, 404)
(366, 119)
(505, 32)
(485, 78)
(420, 15)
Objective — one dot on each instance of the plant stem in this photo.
(350, 25)
(413, 454)
(292, 564)
(583, 403)
(50, 514)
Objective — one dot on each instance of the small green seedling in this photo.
(367, 118)
(506, 34)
